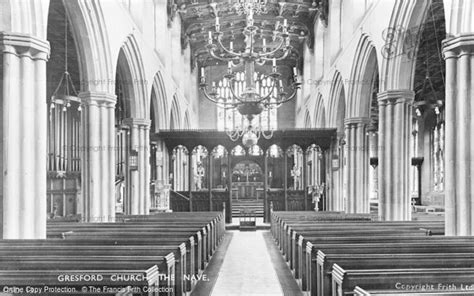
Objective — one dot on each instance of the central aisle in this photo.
(247, 268)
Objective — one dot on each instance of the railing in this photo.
(180, 195)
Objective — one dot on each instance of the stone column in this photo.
(395, 109)
(24, 133)
(459, 188)
(357, 165)
(146, 164)
(138, 180)
(98, 157)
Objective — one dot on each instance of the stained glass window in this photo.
(231, 119)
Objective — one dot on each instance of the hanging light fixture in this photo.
(65, 92)
(250, 102)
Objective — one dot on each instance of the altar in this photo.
(247, 190)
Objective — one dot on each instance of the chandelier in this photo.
(251, 102)
(65, 92)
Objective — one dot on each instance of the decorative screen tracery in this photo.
(231, 119)
(199, 167)
(179, 176)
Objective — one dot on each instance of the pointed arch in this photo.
(362, 75)
(398, 70)
(307, 120)
(131, 63)
(175, 114)
(26, 17)
(319, 112)
(160, 102)
(95, 59)
(337, 103)
(187, 123)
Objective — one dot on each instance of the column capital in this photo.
(458, 45)
(138, 122)
(356, 120)
(24, 45)
(98, 98)
(396, 96)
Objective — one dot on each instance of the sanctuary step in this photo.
(243, 207)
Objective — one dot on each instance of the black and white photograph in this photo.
(237, 147)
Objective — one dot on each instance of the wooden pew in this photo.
(217, 220)
(213, 221)
(216, 227)
(29, 282)
(298, 236)
(293, 245)
(385, 261)
(132, 231)
(68, 251)
(82, 265)
(161, 234)
(344, 281)
(304, 228)
(279, 219)
(358, 291)
(199, 234)
(183, 265)
(295, 230)
(160, 227)
(425, 245)
(162, 224)
(199, 252)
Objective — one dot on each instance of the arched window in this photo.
(231, 119)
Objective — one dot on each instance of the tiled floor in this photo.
(247, 268)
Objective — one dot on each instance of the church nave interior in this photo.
(238, 147)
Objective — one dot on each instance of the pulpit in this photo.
(161, 198)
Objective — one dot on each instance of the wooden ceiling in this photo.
(198, 18)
